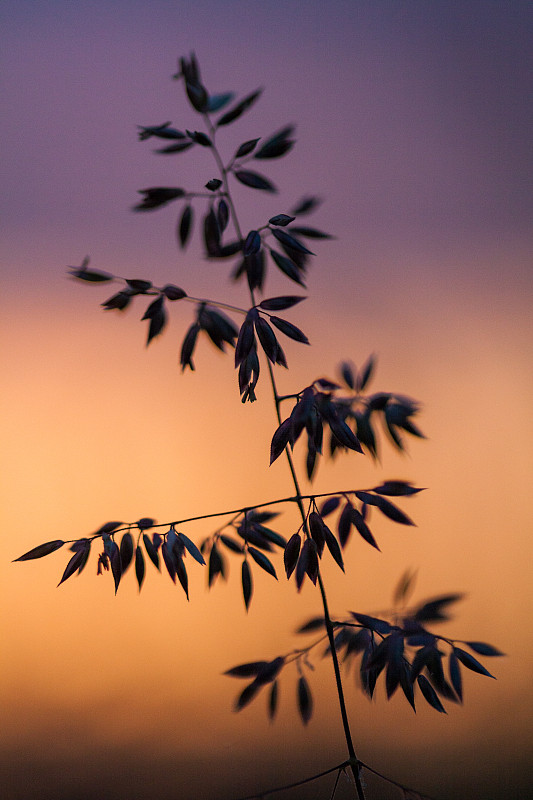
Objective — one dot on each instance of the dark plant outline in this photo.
(342, 409)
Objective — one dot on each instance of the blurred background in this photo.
(414, 127)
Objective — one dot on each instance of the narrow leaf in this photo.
(309, 233)
(247, 695)
(404, 587)
(289, 241)
(109, 527)
(430, 694)
(314, 624)
(309, 558)
(280, 219)
(178, 147)
(455, 675)
(393, 512)
(395, 664)
(407, 686)
(181, 572)
(235, 112)
(333, 547)
(41, 550)
(305, 700)
(267, 337)
(273, 700)
(289, 330)
(245, 340)
(270, 670)
(197, 94)
(262, 561)
(245, 148)
(113, 552)
(163, 131)
(169, 560)
(211, 233)
(126, 551)
(255, 181)
(188, 345)
(362, 528)
(385, 506)
(287, 266)
(317, 531)
(344, 523)
(218, 101)
(145, 522)
(396, 489)
(200, 138)
(231, 544)
(138, 285)
(249, 670)
(343, 433)
(172, 292)
(433, 610)
(347, 374)
(151, 550)
(185, 225)
(274, 149)
(223, 219)
(216, 565)
(280, 303)
(119, 301)
(91, 276)
(252, 243)
(157, 324)
(157, 196)
(484, 649)
(191, 547)
(368, 676)
(291, 553)
(372, 623)
(139, 566)
(305, 206)
(470, 662)
(76, 562)
(247, 584)
(329, 506)
(365, 373)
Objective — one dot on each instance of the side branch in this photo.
(226, 513)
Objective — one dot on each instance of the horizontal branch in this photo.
(226, 513)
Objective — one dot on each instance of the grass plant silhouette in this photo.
(327, 416)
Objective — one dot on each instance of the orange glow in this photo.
(125, 696)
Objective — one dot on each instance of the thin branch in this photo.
(339, 768)
(279, 501)
(296, 783)
(339, 773)
(394, 783)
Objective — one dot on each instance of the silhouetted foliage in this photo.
(329, 416)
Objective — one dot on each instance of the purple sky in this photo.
(415, 117)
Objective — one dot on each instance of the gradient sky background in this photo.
(414, 125)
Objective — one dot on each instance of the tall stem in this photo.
(354, 763)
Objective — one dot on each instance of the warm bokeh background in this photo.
(414, 125)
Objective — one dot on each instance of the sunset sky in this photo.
(413, 122)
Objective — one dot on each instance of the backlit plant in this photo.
(324, 418)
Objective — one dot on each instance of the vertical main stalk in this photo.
(354, 763)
